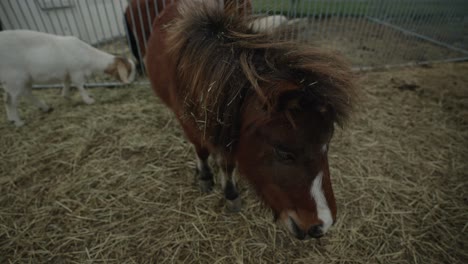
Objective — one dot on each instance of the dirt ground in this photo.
(113, 182)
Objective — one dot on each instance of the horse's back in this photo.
(139, 17)
(160, 67)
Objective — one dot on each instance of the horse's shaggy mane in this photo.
(220, 61)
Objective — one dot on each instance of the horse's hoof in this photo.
(206, 186)
(234, 206)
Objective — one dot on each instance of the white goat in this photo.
(28, 57)
(268, 23)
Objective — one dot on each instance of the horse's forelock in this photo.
(325, 79)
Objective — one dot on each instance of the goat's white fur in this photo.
(268, 23)
(29, 57)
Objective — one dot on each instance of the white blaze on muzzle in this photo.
(323, 211)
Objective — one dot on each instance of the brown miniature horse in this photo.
(265, 105)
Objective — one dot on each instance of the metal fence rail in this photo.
(371, 33)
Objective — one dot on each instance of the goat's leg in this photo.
(228, 183)
(84, 94)
(14, 111)
(66, 89)
(11, 102)
(7, 102)
(79, 81)
(203, 172)
(36, 101)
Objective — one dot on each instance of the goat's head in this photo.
(122, 68)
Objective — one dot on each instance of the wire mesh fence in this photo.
(371, 33)
(382, 32)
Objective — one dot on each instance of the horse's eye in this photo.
(284, 155)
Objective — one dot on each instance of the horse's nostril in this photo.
(315, 231)
(297, 230)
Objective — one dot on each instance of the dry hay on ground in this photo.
(112, 183)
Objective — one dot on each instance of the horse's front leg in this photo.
(228, 183)
(202, 171)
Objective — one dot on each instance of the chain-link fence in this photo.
(371, 33)
(378, 33)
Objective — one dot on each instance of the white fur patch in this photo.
(268, 24)
(222, 178)
(289, 225)
(324, 148)
(323, 211)
(199, 164)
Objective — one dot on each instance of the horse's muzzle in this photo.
(314, 231)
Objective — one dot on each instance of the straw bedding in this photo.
(113, 183)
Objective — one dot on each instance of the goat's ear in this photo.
(122, 70)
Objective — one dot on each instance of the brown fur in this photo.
(245, 95)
